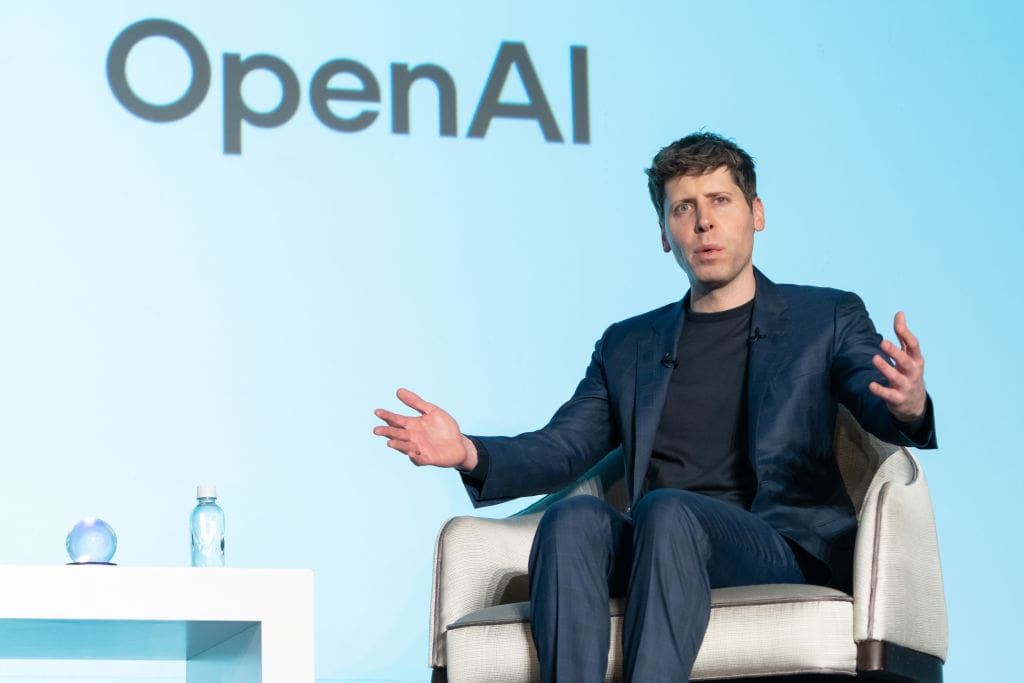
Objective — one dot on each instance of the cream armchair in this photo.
(892, 628)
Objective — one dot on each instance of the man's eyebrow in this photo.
(710, 193)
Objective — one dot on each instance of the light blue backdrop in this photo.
(174, 315)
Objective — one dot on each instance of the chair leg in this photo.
(883, 661)
(439, 676)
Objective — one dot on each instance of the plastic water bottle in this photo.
(207, 529)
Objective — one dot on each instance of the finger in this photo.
(415, 455)
(405, 447)
(393, 419)
(907, 339)
(885, 393)
(415, 402)
(391, 432)
(895, 377)
(904, 361)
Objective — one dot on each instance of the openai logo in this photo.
(366, 95)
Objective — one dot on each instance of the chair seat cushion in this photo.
(754, 631)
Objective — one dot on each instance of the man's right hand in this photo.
(433, 438)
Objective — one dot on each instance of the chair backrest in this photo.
(858, 453)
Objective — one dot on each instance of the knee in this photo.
(667, 513)
(574, 521)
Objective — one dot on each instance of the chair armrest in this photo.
(477, 563)
(897, 578)
(481, 563)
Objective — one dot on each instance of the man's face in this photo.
(709, 227)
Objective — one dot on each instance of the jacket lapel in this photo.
(652, 379)
(769, 327)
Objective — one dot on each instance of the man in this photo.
(724, 405)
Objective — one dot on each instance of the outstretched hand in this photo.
(432, 438)
(905, 395)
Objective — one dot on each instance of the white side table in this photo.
(230, 625)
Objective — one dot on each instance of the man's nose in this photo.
(704, 222)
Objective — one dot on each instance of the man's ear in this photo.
(664, 238)
(758, 208)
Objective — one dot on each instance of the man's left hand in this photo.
(905, 394)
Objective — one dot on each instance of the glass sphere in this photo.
(91, 540)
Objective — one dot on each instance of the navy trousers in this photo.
(664, 559)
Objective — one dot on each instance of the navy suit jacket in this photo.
(813, 350)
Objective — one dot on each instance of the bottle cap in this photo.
(206, 491)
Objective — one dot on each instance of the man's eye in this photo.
(682, 208)
(721, 200)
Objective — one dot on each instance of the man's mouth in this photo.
(709, 251)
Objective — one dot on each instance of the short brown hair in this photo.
(696, 154)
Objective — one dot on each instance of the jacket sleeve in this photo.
(581, 432)
(856, 343)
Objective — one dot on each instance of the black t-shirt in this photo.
(701, 443)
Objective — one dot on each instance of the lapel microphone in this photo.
(669, 362)
(755, 336)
